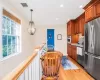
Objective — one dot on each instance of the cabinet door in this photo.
(97, 9)
(81, 24)
(68, 29)
(72, 56)
(76, 26)
(74, 53)
(72, 23)
(69, 50)
(89, 14)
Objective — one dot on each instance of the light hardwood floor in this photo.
(79, 74)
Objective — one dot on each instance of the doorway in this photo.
(50, 39)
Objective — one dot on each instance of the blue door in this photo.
(50, 39)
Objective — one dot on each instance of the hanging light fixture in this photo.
(31, 28)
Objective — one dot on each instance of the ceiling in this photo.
(49, 12)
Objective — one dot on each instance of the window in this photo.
(11, 31)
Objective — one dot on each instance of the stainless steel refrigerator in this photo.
(92, 48)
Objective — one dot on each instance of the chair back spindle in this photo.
(51, 64)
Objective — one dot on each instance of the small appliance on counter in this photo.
(81, 40)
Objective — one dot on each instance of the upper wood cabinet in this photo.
(89, 13)
(70, 28)
(97, 8)
(81, 23)
(76, 26)
(92, 10)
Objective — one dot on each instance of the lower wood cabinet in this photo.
(72, 51)
(69, 49)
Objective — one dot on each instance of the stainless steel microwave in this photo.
(69, 39)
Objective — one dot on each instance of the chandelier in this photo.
(31, 28)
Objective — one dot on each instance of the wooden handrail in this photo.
(20, 69)
(14, 75)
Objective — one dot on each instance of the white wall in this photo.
(28, 41)
(9, 64)
(41, 36)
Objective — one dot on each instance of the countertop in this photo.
(77, 45)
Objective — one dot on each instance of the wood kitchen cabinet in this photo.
(97, 8)
(89, 14)
(69, 49)
(92, 10)
(74, 52)
(76, 26)
(81, 24)
(70, 28)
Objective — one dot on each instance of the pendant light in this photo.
(31, 28)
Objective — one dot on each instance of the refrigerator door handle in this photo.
(86, 53)
(96, 57)
(93, 38)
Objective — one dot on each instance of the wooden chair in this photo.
(50, 64)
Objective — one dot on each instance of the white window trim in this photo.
(14, 54)
(7, 57)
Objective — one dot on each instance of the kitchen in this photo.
(80, 44)
(83, 39)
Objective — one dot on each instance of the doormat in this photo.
(67, 64)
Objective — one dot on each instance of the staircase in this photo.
(30, 69)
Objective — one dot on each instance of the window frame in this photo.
(20, 49)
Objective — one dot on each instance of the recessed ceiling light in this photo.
(57, 18)
(81, 6)
(61, 5)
